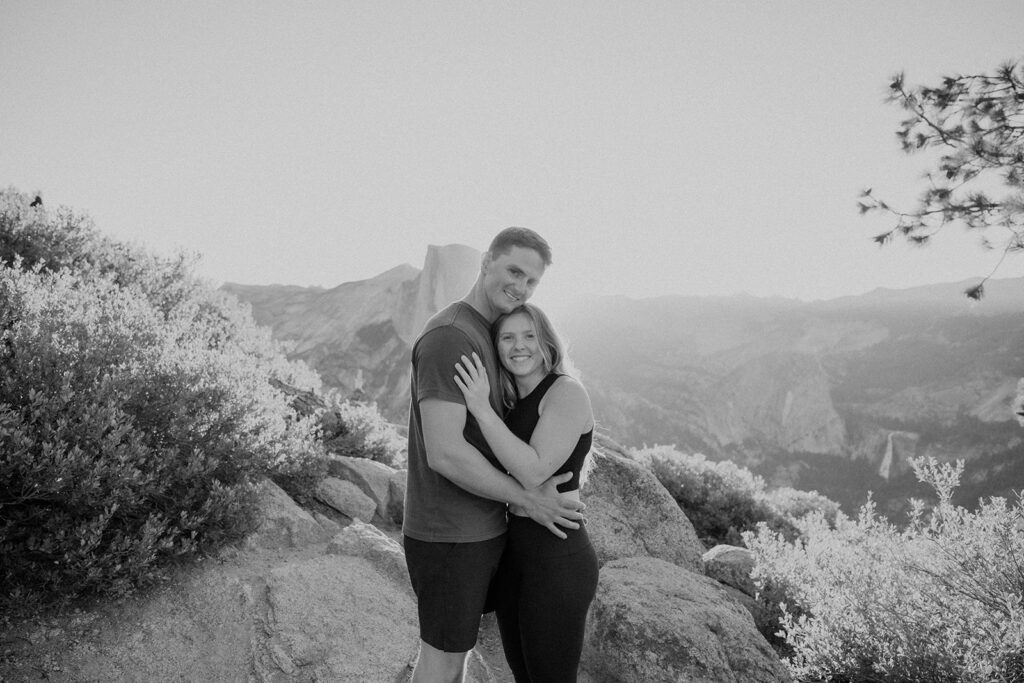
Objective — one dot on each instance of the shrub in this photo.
(720, 499)
(135, 412)
(357, 429)
(938, 601)
(50, 241)
(794, 504)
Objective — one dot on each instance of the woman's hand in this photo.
(472, 380)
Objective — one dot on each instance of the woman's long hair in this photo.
(552, 350)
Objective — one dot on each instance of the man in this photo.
(454, 527)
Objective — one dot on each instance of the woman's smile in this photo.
(520, 359)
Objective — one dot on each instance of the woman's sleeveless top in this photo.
(523, 418)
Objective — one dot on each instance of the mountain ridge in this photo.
(775, 384)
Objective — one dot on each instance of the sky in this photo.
(677, 147)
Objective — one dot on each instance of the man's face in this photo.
(510, 278)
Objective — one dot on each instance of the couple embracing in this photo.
(498, 435)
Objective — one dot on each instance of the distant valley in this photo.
(830, 395)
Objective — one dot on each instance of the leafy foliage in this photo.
(794, 504)
(357, 429)
(938, 601)
(349, 426)
(135, 410)
(722, 500)
(977, 122)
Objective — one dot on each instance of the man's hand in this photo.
(551, 509)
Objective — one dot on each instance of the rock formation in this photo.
(347, 498)
(283, 524)
(731, 566)
(327, 598)
(777, 398)
(656, 616)
(359, 335)
(376, 480)
(630, 514)
(654, 621)
(448, 273)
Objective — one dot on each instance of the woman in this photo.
(545, 584)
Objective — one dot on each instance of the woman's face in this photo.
(519, 347)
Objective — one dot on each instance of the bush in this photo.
(794, 504)
(720, 499)
(135, 411)
(938, 601)
(357, 429)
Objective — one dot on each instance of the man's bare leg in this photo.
(438, 666)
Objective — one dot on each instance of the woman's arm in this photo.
(449, 455)
(565, 416)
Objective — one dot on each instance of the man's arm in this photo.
(451, 456)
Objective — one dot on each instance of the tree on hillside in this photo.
(977, 123)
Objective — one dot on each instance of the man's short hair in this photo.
(519, 237)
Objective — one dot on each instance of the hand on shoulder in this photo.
(473, 382)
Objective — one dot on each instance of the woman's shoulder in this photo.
(568, 383)
(570, 391)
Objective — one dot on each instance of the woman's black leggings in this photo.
(544, 588)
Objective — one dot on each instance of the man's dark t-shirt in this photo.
(436, 509)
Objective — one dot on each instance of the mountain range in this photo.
(834, 395)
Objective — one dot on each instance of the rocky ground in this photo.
(318, 595)
(163, 629)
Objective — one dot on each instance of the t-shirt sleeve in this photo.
(434, 360)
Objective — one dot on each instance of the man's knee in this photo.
(438, 666)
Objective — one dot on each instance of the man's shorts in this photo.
(451, 581)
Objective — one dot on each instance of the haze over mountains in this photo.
(829, 395)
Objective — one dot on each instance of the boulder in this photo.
(372, 477)
(396, 497)
(655, 621)
(731, 565)
(630, 514)
(330, 526)
(263, 616)
(367, 541)
(281, 522)
(766, 618)
(336, 618)
(346, 498)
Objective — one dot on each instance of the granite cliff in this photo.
(359, 335)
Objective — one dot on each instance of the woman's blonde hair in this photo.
(552, 350)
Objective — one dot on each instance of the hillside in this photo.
(830, 395)
(358, 335)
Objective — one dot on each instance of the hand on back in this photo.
(552, 509)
